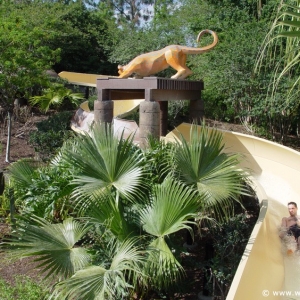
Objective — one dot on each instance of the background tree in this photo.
(163, 29)
(24, 58)
(80, 32)
(231, 92)
(134, 13)
(83, 37)
(38, 36)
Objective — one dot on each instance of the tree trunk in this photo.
(7, 157)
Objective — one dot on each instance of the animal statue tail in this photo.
(191, 50)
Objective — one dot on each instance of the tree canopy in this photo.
(25, 55)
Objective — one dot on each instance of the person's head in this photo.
(292, 207)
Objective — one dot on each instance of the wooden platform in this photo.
(148, 88)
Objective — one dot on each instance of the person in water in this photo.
(290, 226)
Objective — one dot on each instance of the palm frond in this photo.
(108, 212)
(172, 205)
(52, 245)
(21, 172)
(281, 48)
(85, 285)
(96, 282)
(103, 162)
(162, 267)
(215, 175)
(55, 96)
(171, 209)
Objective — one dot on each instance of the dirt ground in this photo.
(20, 148)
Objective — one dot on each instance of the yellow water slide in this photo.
(265, 270)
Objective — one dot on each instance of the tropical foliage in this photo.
(114, 239)
(54, 97)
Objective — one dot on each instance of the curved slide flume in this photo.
(265, 270)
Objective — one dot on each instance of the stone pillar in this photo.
(149, 121)
(163, 117)
(103, 107)
(103, 111)
(196, 111)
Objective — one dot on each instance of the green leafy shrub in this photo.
(57, 122)
(134, 199)
(43, 191)
(51, 134)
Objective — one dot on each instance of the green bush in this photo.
(51, 134)
(48, 194)
(4, 206)
(41, 190)
(59, 121)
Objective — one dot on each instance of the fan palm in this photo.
(172, 206)
(55, 97)
(110, 214)
(52, 245)
(99, 282)
(108, 180)
(104, 164)
(21, 172)
(202, 164)
(106, 170)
